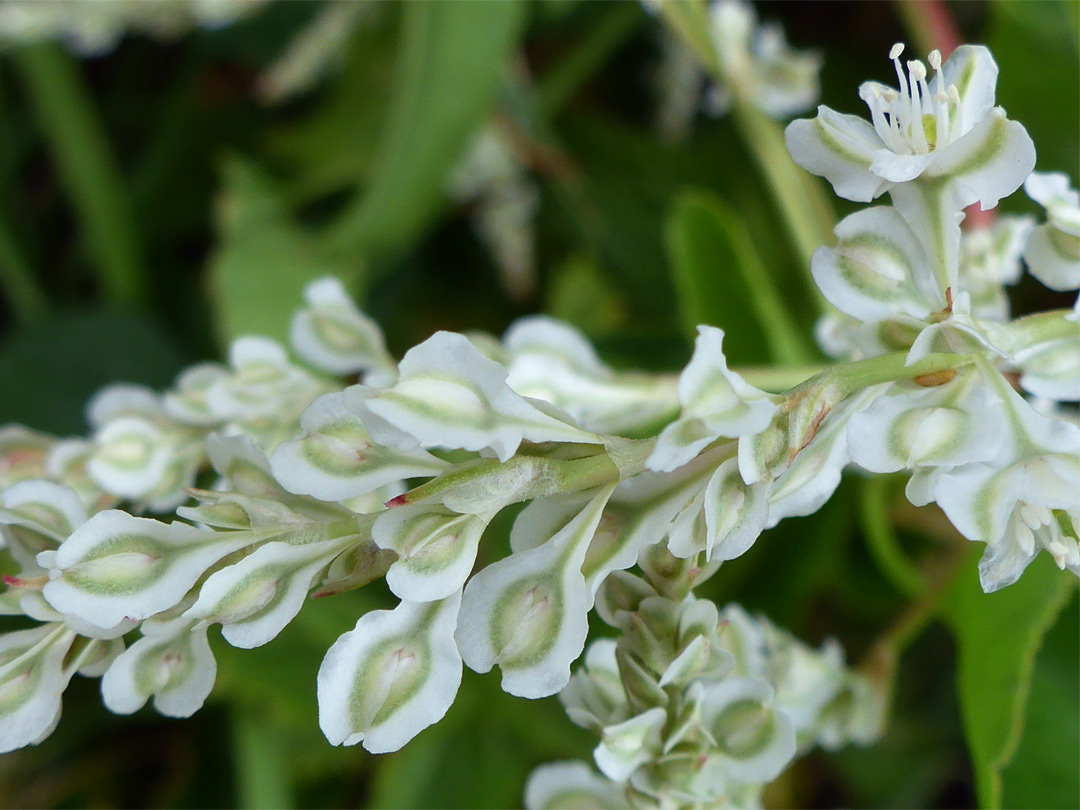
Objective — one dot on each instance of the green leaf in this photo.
(451, 64)
(721, 281)
(1044, 772)
(997, 636)
(263, 259)
(51, 369)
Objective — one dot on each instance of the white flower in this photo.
(32, 679)
(37, 516)
(255, 598)
(1053, 249)
(1025, 498)
(336, 458)
(927, 431)
(553, 361)
(528, 612)
(450, 395)
(565, 785)
(716, 402)
(172, 663)
(391, 677)
(755, 740)
(116, 566)
(332, 334)
(990, 260)
(757, 64)
(946, 127)
(436, 549)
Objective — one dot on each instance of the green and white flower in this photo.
(450, 395)
(716, 403)
(436, 549)
(333, 335)
(391, 677)
(945, 127)
(571, 784)
(32, 679)
(528, 612)
(172, 663)
(116, 566)
(1053, 249)
(336, 459)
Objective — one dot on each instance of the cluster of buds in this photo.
(696, 707)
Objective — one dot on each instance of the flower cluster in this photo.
(694, 706)
(304, 480)
(904, 278)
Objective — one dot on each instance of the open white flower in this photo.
(1025, 499)
(1053, 249)
(716, 402)
(391, 677)
(944, 126)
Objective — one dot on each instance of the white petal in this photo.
(117, 566)
(877, 269)
(716, 402)
(32, 680)
(333, 335)
(629, 744)
(436, 549)
(564, 785)
(1052, 369)
(974, 72)
(528, 612)
(255, 598)
(391, 677)
(758, 739)
(989, 162)
(839, 148)
(176, 669)
(735, 513)
(450, 395)
(337, 459)
(1053, 257)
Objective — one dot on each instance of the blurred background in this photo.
(173, 173)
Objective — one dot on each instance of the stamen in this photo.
(934, 58)
(896, 50)
(917, 131)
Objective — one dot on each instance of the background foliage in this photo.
(161, 209)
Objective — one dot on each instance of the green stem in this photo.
(777, 380)
(806, 211)
(76, 136)
(882, 541)
(261, 764)
(24, 296)
(559, 85)
(851, 377)
(494, 484)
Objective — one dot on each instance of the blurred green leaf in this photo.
(52, 368)
(998, 635)
(1044, 772)
(450, 65)
(722, 281)
(263, 259)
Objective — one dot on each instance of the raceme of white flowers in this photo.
(288, 477)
